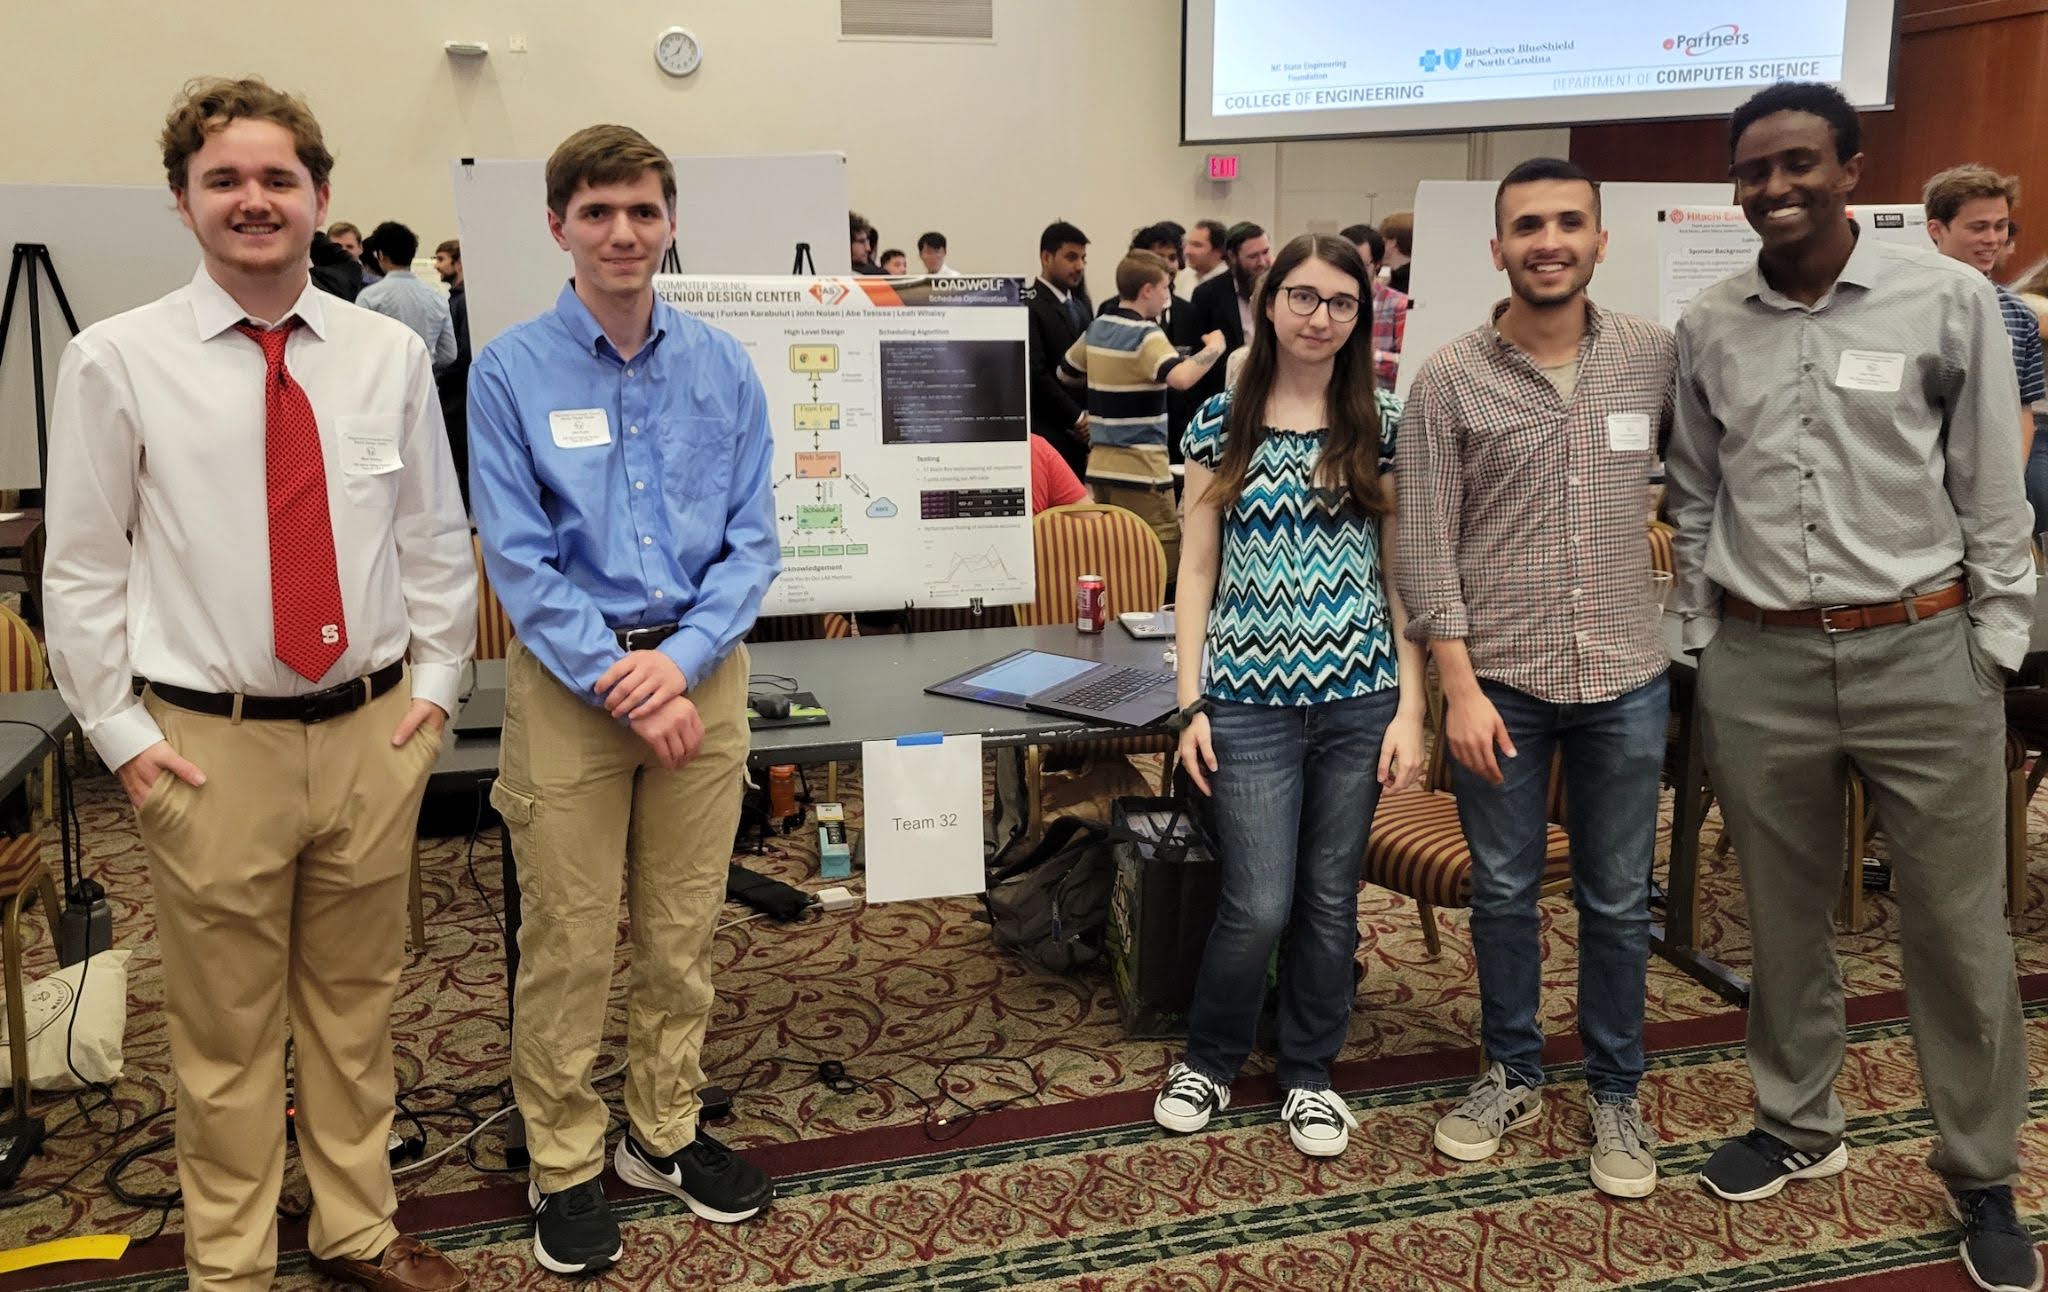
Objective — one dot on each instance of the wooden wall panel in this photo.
(1972, 85)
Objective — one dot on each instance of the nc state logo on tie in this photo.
(330, 634)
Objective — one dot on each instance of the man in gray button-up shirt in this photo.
(1853, 559)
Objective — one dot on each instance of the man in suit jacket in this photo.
(1223, 303)
(1059, 314)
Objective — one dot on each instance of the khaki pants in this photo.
(1921, 717)
(1138, 479)
(280, 891)
(587, 806)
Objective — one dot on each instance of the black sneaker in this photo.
(1997, 1249)
(573, 1228)
(712, 1180)
(1759, 1164)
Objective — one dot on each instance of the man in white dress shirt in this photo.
(251, 506)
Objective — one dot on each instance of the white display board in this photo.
(113, 247)
(734, 215)
(902, 450)
(1454, 283)
(1698, 246)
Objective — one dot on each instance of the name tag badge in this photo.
(580, 428)
(369, 445)
(1876, 370)
(1628, 432)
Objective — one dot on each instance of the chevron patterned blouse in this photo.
(1300, 614)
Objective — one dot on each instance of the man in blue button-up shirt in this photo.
(619, 455)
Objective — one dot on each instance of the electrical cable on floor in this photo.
(938, 1124)
(432, 1158)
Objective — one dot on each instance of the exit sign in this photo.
(1223, 166)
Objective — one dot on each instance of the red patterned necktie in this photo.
(305, 591)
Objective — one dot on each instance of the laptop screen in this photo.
(1028, 673)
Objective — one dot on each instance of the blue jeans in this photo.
(1294, 789)
(2037, 474)
(1613, 761)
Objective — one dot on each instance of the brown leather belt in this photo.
(1847, 619)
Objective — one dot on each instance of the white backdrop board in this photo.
(114, 247)
(734, 215)
(1454, 282)
(902, 460)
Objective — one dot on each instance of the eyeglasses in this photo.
(1306, 300)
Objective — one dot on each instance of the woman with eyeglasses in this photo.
(1311, 700)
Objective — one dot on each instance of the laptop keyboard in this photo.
(1109, 690)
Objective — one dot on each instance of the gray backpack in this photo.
(1051, 905)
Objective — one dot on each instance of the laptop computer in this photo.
(1073, 688)
(482, 713)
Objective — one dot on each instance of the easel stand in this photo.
(29, 258)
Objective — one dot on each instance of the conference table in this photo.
(873, 688)
(33, 725)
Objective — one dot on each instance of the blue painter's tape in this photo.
(922, 738)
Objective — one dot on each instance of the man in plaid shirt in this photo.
(1389, 307)
(1523, 562)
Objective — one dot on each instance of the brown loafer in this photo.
(407, 1265)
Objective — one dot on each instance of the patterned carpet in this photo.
(1071, 1187)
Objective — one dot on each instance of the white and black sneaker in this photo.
(1188, 1100)
(1760, 1164)
(573, 1228)
(1318, 1121)
(712, 1180)
(1998, 1252)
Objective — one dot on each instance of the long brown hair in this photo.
(1348, 471)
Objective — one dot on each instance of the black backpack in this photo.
(1051, 905)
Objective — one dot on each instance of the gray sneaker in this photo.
(1495, 1105)
(1622, 1163)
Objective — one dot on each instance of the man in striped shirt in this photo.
(1969, 216)
(1128, 365)
(1524, 565)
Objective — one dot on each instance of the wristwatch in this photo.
(1179, 721)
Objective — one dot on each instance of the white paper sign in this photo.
(369, 445)
(923, 810)
(1628, 432)
(580, 428)
(1877, 370)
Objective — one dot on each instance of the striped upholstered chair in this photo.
(21, 669)
(1418, 849)
(1092, 538)
(493, 625)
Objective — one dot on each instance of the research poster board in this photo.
(902, 451)
(1698, 246)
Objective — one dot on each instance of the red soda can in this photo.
(1091, 603)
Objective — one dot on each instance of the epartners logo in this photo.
(1713, 39)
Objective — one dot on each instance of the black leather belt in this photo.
(644, 638)
(317, 707)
